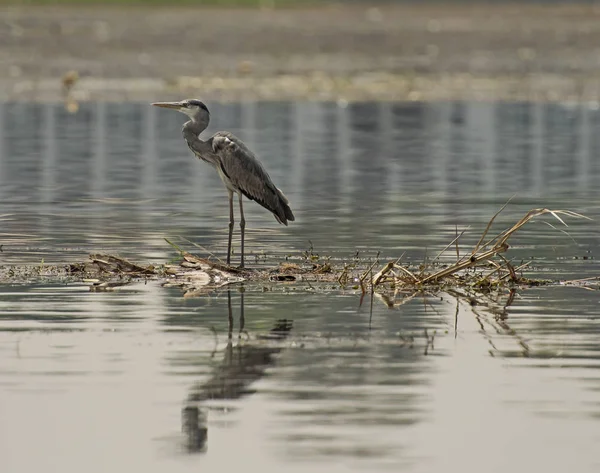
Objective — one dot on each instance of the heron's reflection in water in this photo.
(242, 365)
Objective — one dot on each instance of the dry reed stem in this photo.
(381, 274)
(455, 241)
(408, 273)
(482, 252)
(474, 260)
(489, 225)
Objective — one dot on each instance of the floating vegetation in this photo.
(480, 270)
(479, 275)
(487, 256)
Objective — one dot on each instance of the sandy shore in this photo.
(393, 52)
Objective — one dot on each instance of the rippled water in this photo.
(135, 379)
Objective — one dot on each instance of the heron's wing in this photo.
(248, 176)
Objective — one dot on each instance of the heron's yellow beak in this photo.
(173, 105)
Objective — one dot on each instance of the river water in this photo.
(146, 379)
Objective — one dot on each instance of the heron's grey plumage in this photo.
(238, 167)
(248, 176)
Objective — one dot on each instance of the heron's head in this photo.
(193, 108)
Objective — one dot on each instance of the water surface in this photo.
(133, 379)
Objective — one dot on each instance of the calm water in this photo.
(132, 380)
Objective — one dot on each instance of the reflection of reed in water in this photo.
(242, 365)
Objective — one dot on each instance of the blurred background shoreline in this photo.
(343, 52)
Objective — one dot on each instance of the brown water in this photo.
(132, 379)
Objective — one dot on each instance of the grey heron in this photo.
(239, 169)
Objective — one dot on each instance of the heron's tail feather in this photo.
(285, 212)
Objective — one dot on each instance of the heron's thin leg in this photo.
(230, 226)
(242, 227)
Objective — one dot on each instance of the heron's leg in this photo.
(242, 227)
(230, 226)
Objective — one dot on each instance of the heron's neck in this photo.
(200, 148)
(192, 129)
